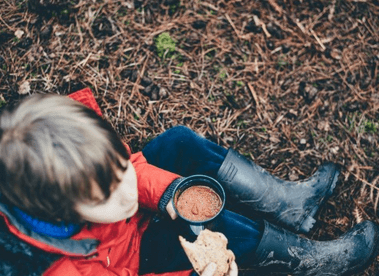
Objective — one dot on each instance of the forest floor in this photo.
(290, 84)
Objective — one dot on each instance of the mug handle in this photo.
(196, 229)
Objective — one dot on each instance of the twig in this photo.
(232, 24)
(136, 84)
(254, 94)
(276, 6)
(258, 22)
(9, 27)
(301, 27)
(119, 105)
(318, 40)
(364, 181)
(208, 5)
(332, 10)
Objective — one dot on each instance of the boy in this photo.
(74, 201)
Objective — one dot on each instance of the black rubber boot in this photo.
(282, 251)
(252, 190)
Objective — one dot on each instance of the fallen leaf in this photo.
(19, 33)
(24, 88)
(323, 125)
(336, 54)
(274, 139)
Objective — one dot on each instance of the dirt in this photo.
(289, 84)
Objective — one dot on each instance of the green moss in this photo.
(164, 43)
(370, 127)
(240, 83)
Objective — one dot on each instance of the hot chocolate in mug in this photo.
(197, 200)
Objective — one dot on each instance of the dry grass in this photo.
(291, 84)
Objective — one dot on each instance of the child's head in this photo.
(56, 154)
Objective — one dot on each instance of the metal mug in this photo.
(198, 180)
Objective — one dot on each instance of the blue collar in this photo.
(59, 231)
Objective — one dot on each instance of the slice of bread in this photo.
(208, 247)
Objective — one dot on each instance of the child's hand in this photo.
(170, 210)
(210, 269)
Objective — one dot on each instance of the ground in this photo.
(290, 84)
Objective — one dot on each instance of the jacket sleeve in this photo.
(65, 267)
(152, 181)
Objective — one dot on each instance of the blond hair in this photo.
(52, 151)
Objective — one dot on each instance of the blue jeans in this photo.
(182, 151)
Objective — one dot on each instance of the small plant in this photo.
(211, 54)
(165, 44)
(174, 8)
(222, 75)
(371, 127)
(240, 83)
(246, 154)
(241, 123)
(282, 62)
(2, 102)
(351, 120)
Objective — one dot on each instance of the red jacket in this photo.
(106, 249)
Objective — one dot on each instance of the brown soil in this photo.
(288, 83)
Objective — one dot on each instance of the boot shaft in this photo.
(291, 204)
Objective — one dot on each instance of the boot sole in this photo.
(310, 221)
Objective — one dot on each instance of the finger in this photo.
(170, 210)
(209, 270)
(233, 270)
